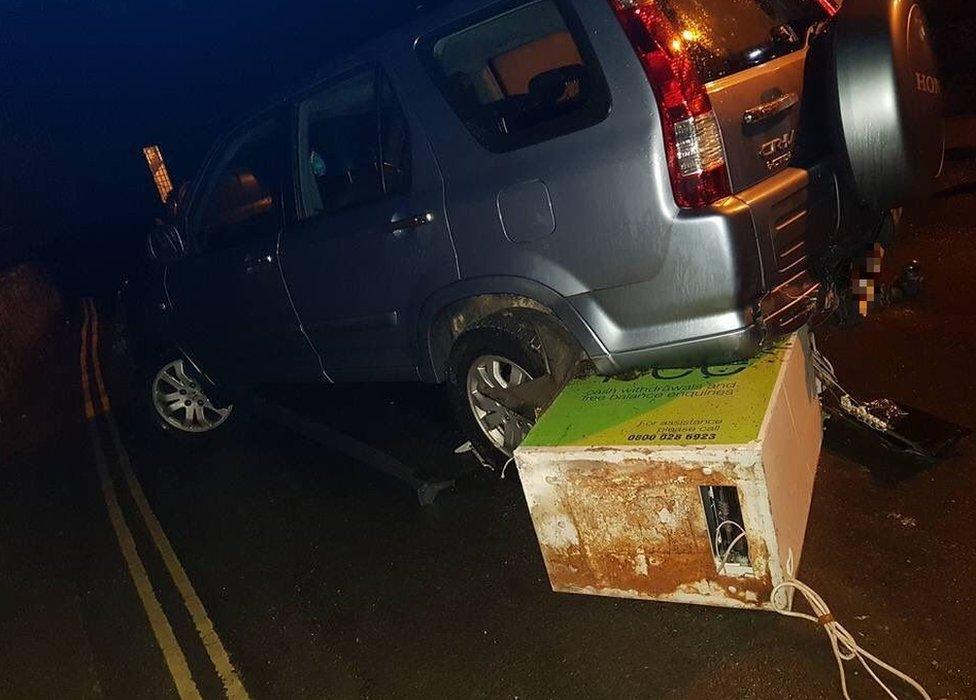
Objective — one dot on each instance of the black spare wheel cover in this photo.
(889, 100)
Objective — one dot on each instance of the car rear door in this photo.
(371, 243)
(230, 302)
(753, 56)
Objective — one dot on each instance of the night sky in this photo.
(85, 84)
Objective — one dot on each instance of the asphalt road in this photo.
(269, 564)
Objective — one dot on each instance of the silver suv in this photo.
(498, 190)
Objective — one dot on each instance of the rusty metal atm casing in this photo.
(620, 475)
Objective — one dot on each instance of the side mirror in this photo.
(165, 244)
(175, 202)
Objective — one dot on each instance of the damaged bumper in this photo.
(750, 269)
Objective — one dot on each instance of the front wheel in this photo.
(180, 401)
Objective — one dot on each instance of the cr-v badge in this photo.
(778, 151)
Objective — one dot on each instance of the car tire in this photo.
(888, 100)
(518, 346)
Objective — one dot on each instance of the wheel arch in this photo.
(462, 306)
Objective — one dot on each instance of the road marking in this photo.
(85, 389)
(172, 653)
(103, 395)
(231, 680)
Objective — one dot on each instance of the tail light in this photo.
(693, 142)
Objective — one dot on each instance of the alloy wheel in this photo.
(182, 404)
(502, 425)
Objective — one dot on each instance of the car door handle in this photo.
(768, 110)
(410, 223)
(253, 263)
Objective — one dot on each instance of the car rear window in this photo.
(727, 36)
(518, 74)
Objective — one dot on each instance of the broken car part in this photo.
(901, 427)
(425, 490)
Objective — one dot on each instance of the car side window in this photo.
(520, 75)
(353, 144)
(242, 200)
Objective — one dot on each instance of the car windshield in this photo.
(726, 36)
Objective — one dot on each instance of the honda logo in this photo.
(927, 83)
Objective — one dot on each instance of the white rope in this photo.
(505, 466)
(728, 550)
(842, 642)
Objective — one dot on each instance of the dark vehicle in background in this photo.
(499, 190)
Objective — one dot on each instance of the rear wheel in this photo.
(503, 374)
(503, 426)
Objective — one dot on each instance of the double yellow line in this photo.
(99, 406)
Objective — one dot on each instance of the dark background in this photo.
(84, 85)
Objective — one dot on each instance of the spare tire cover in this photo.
(889, 100)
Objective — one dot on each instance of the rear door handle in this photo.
(409, 223)
(770, 109)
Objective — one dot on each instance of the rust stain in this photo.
(640, 531)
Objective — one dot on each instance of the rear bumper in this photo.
(717, 349)
(733, 279)
(785, 315)
(755, 327)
